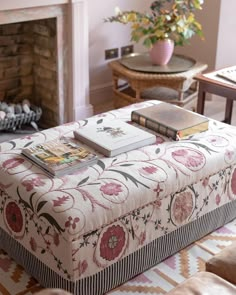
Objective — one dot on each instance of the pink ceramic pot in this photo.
(161, 52)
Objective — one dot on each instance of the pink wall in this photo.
(217, 50)
(205, 50)
(105, 36)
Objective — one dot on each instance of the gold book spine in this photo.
(155, 126)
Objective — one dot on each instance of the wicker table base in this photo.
(177, 88)
(126, 96)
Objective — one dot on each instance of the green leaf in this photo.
(12, 143)
(23, 201)
(83, 181)
(85, 122)
(28, 143)
(40, 205)
(31, 200)
(52, 221)
(157, 151)
(101, 164)
(147, 42)
(204, 147)
(100, 121)
(129, 177)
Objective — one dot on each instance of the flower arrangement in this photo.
(168, 19)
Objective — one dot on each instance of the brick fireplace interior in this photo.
(28, 58)
(44, 57)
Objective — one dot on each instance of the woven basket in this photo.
(21, 119)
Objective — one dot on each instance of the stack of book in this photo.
(65, 155)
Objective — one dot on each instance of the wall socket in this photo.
(111, 53)
(125, 50)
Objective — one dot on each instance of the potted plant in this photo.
(169, 23)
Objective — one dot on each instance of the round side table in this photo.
(143, 81)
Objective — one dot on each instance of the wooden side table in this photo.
(209, 83)
(177, 88)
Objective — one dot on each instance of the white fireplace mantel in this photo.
(77, 104)
(16, 4)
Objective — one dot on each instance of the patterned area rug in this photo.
(157, 280)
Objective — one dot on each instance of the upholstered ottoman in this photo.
(53, 292)
(204, 283)
(223, 264)
(92, 230)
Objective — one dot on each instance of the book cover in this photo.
(60, 156)
(170, 120)
(114, 137)
(228, 74)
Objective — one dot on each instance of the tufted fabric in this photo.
(52, 292)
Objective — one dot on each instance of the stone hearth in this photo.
(55, 76)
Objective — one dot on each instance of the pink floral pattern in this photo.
(81, 223)
(233, 182)
(149, 169)
(33, 244)
(182, 206)
(192, 159)
(218, 198)
(71, 222)
(218, 141)
(111, 189)
(112, 242)
(14, 217)
(12, 163)
(82, 267)
(31, 183)
(229, 155)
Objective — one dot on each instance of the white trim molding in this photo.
(79, 82)
(72, 49)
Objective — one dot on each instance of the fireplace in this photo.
(44, 57)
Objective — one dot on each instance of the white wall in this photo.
(226, 45)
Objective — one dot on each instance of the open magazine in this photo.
(228, 74)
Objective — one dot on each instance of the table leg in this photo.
(138, 93)
(201, 99)
(115, 82)
(228, 110)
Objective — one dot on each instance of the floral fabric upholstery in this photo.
(81, 223)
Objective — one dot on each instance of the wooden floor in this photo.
(213, 108)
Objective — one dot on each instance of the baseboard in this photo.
(101, 94)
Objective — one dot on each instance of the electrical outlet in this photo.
(111, 53)
(125, 50)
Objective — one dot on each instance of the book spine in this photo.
(155, 126)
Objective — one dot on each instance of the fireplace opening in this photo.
(28, 66)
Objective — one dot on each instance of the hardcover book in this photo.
(60, 156)
(170, 120)
(114, 137)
